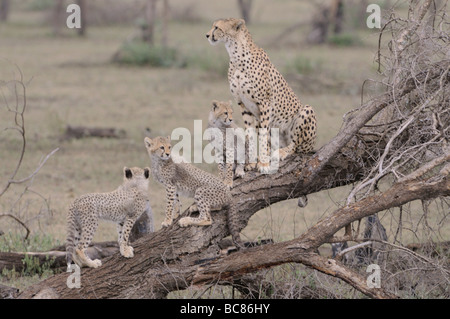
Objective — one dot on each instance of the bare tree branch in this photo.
(17, 220)
(17, 89)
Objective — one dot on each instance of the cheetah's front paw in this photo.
(94, 263)
(166, 223)
(280, 155)
(127, 251)
(250, 167)
(240, 172)
(263, 168)
(229, 184)
(184, 222)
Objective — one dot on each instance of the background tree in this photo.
(328, 15)
(57, 16)
(4, 10)
(148, 28)
(245, 7)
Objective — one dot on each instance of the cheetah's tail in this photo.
(71, 233)
(233, 225)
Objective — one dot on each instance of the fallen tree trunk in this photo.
(84, 131)
(55, 258)
(17, 261)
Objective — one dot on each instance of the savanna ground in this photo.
(71, 81)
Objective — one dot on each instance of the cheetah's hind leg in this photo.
(126, 250)
(79, 256)
(176, 206)
(204, 218)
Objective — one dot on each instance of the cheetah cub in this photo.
(266, 99)
(221, 117)
(208, 191)
(123, 206)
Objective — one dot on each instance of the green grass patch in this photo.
(304, 65)
(141, 53)
(11, 242)
(344, 40)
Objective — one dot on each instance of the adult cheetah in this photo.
(265, 98)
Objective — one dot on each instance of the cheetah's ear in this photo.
(238, 25)
(128, 173)
(148, 142)
(215, 105)
(146, 172)
(168, 138)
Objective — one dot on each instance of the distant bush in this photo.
(304, 65)
(40, 5)
(344, 40)
(141, 53)
(209, 62)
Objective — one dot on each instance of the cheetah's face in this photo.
(224, 30)
(221, 113)
(159, 146)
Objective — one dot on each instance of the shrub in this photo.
(141, 53)
(14, 242)
(344, 40)
(208, 62)
(304, 65)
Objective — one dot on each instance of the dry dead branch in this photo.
(15, 101)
